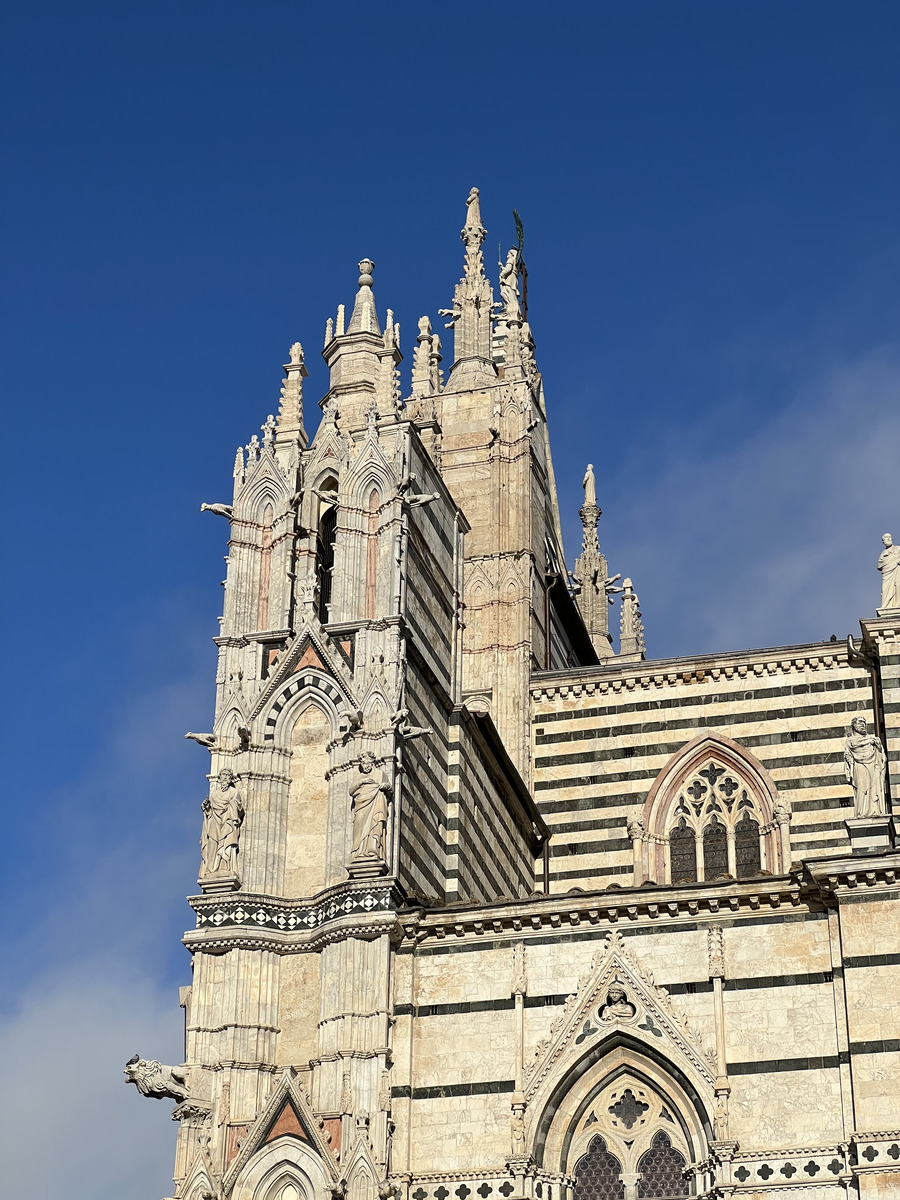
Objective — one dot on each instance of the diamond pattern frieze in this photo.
(274, 914)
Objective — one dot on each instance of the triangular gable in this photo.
(308, 649)
(265, 468)
(287, 1112)
(646, 1014)
(287, 1123)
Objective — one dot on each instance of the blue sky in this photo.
(709, 193)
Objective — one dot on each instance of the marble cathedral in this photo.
(488, 908)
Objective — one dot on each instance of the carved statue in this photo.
(518, 1130)
(223, 816)
(589, 484)
(617, 1005)
(720, 1121)
(509, 285)
(221, 510)
(864, 762)
(889, 566)
(296, 354)
(202, 739)
(153, 1079)
(369, 796)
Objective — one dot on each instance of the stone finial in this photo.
(425, 380)
(473, 300)
(290, 407)
(889, 566)
(268, 432)
(239, 463)
(364, 318)
(631, 626)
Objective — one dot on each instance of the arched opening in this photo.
(326, 536)
(683, 853)
(747, 847)
(661, 1171)
(711, 814)
(265, 568)
(307, 817)
(598, 1174)
(372, 554)
(715, 849)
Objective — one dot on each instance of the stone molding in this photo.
(702, 669)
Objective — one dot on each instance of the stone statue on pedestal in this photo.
(509, 286)
(369, 796)
(590, 487)
(864, 761)
(889, 566)
(223, 811)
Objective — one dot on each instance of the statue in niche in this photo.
(223, 812)
(518, 1130)
(617, 1007)
(589, 484)
(153, 1079)
(369, 804)
(889, 566)
(509, 285)
(720, 1121)
(864, 762)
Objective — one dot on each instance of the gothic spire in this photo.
(364, 318)
(290, 409)
(473, 301)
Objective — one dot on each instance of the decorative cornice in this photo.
(704, 669)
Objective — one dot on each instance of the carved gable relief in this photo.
(713, 811)
(286, 1145)
(617, 1022)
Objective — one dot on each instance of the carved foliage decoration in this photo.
(618, 994)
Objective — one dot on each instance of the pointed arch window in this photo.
(661, 1170)
(372, 554)
(265, 567)
(715, 823)
(326, 536)
(630, 1142)
(683, 853)
(598, 1175)
(715, 849)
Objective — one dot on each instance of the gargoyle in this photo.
(202, 739)
(221, 510)
(153, 1079)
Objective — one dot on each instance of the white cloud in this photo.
(98, 965)
(770, 539)
(69, 1124)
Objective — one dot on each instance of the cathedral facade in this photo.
(490, 905)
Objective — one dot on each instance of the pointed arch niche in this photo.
(711, 813)
(629, 1127)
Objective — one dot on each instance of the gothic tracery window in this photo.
(716, 826)
(598, 1175)
(629, 1144)
(661, 1171)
